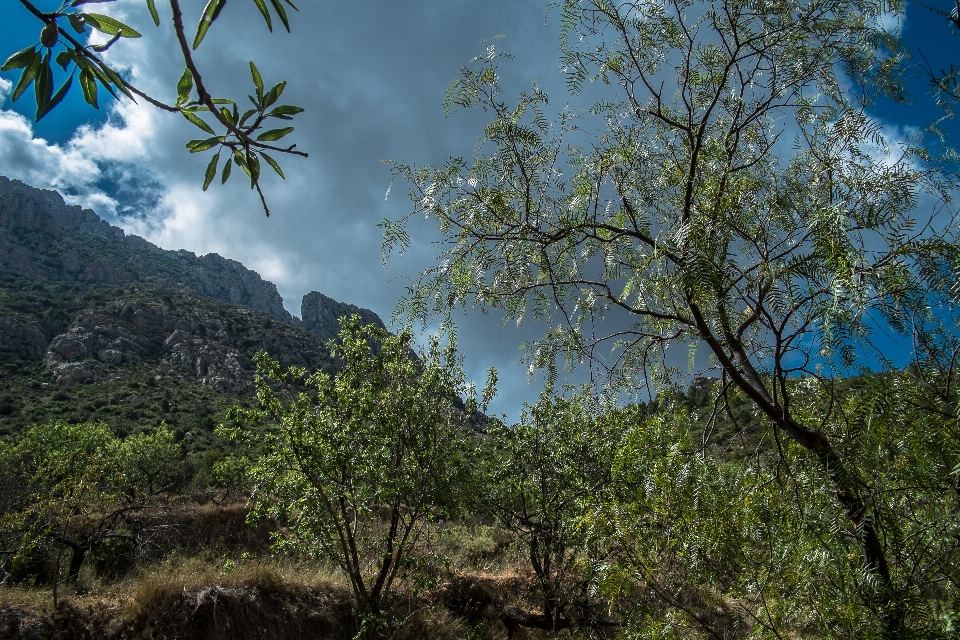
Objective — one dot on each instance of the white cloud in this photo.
(126, 137)
(893, 22)
(41, 164)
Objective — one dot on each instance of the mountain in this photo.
(91, 317)
(42, 237)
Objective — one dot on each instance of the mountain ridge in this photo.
(27, 212)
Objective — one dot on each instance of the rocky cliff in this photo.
(321, 315)
(84, 300)
(41, 237)
(178, 335)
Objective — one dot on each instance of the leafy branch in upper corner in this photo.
(242, 136)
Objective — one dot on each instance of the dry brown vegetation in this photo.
(223, 581)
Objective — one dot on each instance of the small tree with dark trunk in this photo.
(544, 473)
(77, 486)
(358, 464)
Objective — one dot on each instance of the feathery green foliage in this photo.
(729, 194)
(359, 464)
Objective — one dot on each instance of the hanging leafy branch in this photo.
(245, 138)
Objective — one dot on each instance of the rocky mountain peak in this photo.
(26, 209)
(321, 315)
(87, 299)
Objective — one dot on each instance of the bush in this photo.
(8, 407)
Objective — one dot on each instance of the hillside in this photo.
(99, 325)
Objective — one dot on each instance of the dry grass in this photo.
(25, 597)
(228, 588)
(191, 597)
(475, 547)
(176, 574)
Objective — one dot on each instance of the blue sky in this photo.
(371, 76)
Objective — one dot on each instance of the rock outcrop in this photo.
(320, 315)
(183, 337)
(86, 300)
(21, 338)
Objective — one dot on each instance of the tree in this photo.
(708, 542)
(240, 139)
(358, 464)
(544, 473)
(729, 193)
(718, 550)
(75, 487)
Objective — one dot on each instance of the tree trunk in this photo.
(865, 532)
(846, 486)
(76, 562)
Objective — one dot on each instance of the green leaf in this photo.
(57, 98)
(292, 5)
(109, 26)
(278, 6)
(153, 12)
(273, 163)
(116, 80)
(28, 76)
(210, 13)
(20, 60)
(196, 146)
(274, 134)
(100, 75)
(184, 87)
(246, 116)
(285, 110)
(89, 85)
(221, 101)
(274, 94)
(257, 80)
(64, 58)
(195, 119)
(254, 163)
(266, 14)
(227, 115)
(43, 87)
(100, 48)
(211, 171)
(76, 22)
(226, 172)
(241, 161)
